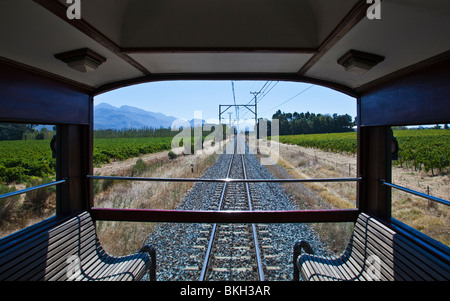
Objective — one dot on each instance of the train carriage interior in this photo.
(57, 56)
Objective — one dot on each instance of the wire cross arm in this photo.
(10, 194)
(426, 196)
(226, 180)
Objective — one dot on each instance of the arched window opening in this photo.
(291, 130)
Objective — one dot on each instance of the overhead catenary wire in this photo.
(265, 89)
(296, 95)
(261, 91)
(265, 93)
(234, 99)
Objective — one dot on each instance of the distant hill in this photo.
(109, 117)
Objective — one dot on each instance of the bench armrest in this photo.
(150, 250)
(298, 246)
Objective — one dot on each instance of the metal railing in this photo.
(202, 216)
(225, 180)
(417, 193)
(14, 193)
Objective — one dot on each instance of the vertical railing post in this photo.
(375, 155)
(72, 154)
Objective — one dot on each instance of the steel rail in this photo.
(255, 237)
(426, 196)
(213, 231)
(14, 193)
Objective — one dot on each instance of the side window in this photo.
(26, 161)
(422, 164)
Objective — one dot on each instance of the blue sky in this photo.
(182, 98)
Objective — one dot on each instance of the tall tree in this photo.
(311, 123)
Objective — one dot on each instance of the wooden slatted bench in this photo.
(375, 252)
(68, 249)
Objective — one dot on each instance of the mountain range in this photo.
(109, 117)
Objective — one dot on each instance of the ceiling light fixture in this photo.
(359, 62)
(83, 60)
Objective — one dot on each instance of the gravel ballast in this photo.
(180, 256)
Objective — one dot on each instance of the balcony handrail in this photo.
(420, 194)
(14, 193)
(227, 216)
(224, 180)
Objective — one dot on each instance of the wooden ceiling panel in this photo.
(140, 38)
(217, 23)
(404, 36)
(39, 35)
(229, 62)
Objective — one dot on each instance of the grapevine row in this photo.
(108, 149)
(21, 160)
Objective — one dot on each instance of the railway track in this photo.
(230, 252)
(234, 250)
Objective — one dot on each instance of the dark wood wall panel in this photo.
(422, 97)
(26, 96)
(374, 164)
(73, 163)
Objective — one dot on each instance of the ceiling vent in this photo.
(359, 62)
(83, 60)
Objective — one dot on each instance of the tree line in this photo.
(12, 131)
(311, 123)
(16, 131)
(145, 132)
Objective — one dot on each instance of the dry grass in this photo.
(310, 196)
(339, 195)
(22, 216)
(120, 238)
(430, 218)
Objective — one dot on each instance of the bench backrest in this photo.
(47, 250)
(392, 255)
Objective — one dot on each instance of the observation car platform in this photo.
(392, 56)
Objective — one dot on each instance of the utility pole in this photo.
(255, 94)
(224, 108)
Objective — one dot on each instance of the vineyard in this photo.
(334, 142)
(427, 150)
(424, 149)
(21, 160)
(107, 149)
